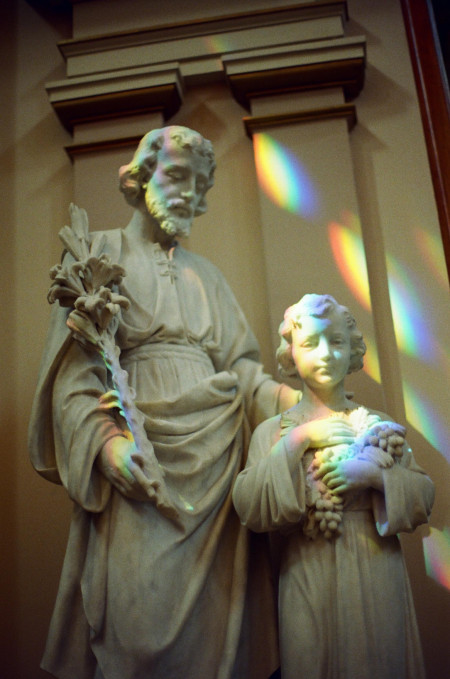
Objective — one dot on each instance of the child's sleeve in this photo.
(266, 495)
(408, 497)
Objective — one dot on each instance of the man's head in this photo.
(170, 173)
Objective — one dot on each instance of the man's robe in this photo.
(140, 595)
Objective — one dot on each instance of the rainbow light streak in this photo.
(412, 331)
(436, 550)
(215, 44)
(282, 177)
(348, 251)
(371, 364)
(432, 250)
(422, 415)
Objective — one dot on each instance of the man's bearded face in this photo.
(176, 190)
(167, 215)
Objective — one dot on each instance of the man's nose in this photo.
(188, 189)
(187, 195)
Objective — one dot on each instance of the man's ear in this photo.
(129, 185)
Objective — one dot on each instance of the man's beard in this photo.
(171, 223)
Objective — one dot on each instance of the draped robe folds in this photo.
(345, 604)
(141, 596)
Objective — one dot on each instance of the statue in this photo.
(154, 582)
(335, 482)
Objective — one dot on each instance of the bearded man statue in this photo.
(142, 596)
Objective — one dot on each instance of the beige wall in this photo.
(36, 188)
(398, 218)
(397, 207)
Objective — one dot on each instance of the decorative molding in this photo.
(254, 124)
(196, 53)
(75, 150)
(214, 26)
(292, 48)
(128, 92)
(345, 73)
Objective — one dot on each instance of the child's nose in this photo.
(324, 348)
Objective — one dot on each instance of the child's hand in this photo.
(316, 434)
(347, 475)
(327, 432)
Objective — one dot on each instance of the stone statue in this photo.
(155, 586)
(335, 482)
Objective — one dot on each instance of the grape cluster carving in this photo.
(381, 444)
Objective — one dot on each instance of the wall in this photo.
(399, 224)
(36, 189)
(397, 207)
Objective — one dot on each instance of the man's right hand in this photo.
(116, 463)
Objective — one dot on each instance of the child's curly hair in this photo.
(319, 306)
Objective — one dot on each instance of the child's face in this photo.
(321, 350)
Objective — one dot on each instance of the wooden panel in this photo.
(432, 89)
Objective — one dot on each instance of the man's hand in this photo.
(116, 462)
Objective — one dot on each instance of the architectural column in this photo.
(301, 116)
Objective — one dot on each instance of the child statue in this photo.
(337, 482)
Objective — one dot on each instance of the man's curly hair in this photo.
(138, 172)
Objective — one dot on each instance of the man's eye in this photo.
(175, 174)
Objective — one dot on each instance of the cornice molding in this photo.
(211, 26)
(128, 92)
(286, 49)
(324, 64)
(75, 150)
(255, 124)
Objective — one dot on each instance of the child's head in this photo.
(318, 306)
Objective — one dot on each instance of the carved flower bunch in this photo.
(86, 283)
(376, 441)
